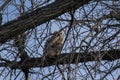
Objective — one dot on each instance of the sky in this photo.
(11, 13)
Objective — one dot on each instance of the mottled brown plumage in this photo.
(53, 45)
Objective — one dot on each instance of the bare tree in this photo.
(91, 47)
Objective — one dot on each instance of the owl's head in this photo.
(58, 33)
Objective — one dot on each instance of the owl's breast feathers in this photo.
(54, 44)
(57, 38)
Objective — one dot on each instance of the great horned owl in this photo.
(53, 45)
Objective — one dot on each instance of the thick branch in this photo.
(66, 58)
(37, 17)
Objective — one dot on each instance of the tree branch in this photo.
(37, 17)
(4, 4)
(66, 58)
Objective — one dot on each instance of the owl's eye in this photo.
(53, 46)
(61, 33)
(58, 34)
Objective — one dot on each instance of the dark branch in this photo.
(66, 58)
(4, 4)
(38, 17)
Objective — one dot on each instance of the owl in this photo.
(53, 45)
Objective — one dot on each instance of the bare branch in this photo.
(4, 5)
(66, 58)
(37, 17)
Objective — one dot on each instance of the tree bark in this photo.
(66, 58)
(39, 16)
